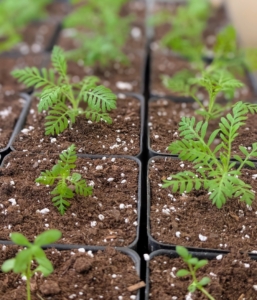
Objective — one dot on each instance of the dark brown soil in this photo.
(121, 137)
(126, 78)
(163, 62)
(36, 37)
(8, 64)
(108, 217)
(183, 220)
(10, 109)
(77, 275)
(232, 278)
(164, 118)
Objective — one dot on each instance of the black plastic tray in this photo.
(139, 97)
(153, 244)
(18, 125)
(173, 254)
(132, 254)
(133, 245)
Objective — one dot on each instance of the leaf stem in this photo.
(203, 290)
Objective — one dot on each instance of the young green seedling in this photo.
(62, 98)
(67, 183)
(214, 170)
(101, 44)
(213, 81)
(22, 263)
(193, 264)
(14, 16)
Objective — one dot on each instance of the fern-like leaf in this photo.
(59, 61)
(68, 157)
(100, 98)
(58, 119)
(46, 178)
(96, 116)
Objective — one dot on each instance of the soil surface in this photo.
(233, 276)
(164, 62)
(107, 217)
(36, 37)
(183, 219)
(8, 64)
(120, 137)
(10, 109)
(164, 118)
(78, 274)
(126, 78)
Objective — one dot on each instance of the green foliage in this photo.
(213, 80)
(214, 170)
(62, 98)
(14, 16)
(67, 184)
(105, 35)
(193, 264)
(187, 25)
(21, 264)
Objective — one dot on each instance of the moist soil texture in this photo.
(164, 62)
(107, 217)
(192, 220)
(163, 124)
(117, 76)
(9, 63)
(78, 274)
(10, 109)
(120, 137)
(233, 276)
(36, 37)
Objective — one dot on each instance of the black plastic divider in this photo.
(18, 126)
(131, 253)
(173, 254)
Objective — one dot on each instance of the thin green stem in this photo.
(246, 159)
(28, 276)
(203, 290)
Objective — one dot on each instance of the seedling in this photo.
(22, 263)
(67, 183)
(14, 16)
(214, 170)
(193, 264)
(62, 98)
(105, 35)
(213, 81)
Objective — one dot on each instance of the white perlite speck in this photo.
(146, 257)
(82, 250)
(219, 257)
(122, 206)
(202, 238)
(101, 217)
(93, 223)
(123, 85)
(43, 211)
(99, 167)
(13, 201)
(255, 287)
(178, 233)
(53, 140)
(110, 179)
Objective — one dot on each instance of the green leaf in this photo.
(19, 239)
(59, 61)
(8, 265)
(201, 263)
(182, 273)
(193, 261)
(204, 281)
(182, 251)
(100, 99)
(22, 260)
(48, 237)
